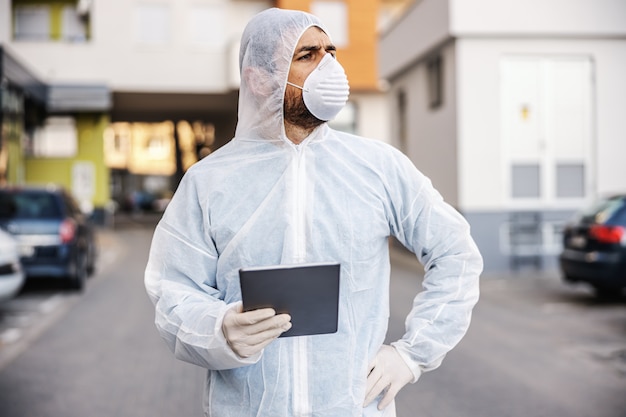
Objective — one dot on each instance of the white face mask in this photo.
(326, 90)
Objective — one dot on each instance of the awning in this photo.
(78, 98)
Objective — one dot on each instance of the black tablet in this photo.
(309, 293)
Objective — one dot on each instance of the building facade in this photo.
(137, 91)
(514, 110)
(154, 80)
(22, 107)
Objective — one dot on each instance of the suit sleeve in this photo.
(440, 238)
(180, 279)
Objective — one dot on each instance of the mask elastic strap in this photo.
(297, 86)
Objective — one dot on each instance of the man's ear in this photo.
(259, 81)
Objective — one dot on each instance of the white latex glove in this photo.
(248, 333)
(388, 373)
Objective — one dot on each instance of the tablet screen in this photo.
(309, 293)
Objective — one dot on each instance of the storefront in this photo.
(54, 134)
(22, 109)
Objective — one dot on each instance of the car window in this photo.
(7, 207)
(72, 205)
(602, 211)
(29, 206)
(619, 216)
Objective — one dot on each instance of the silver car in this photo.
(11, 273)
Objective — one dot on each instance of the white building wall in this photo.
(533, 17)
(484, 33)
(425, 26)
(114, 55)
(373, 116)
(431, 141)
(610, 66)
(479, 142)
(5, 21)
(480, 145)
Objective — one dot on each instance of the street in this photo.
(536, 348)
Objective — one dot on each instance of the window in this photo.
(32, 23)
(334, 14)
(402, 121)
(434, 69)
(157, 147)
(570, 180)
(152, 24)
(74, 27)
(58, 138)
(29, 205)
(526, 181)
(51, 22)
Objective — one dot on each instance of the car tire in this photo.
(569, 278)
(78, 278)
(91, 262)
(607, 293)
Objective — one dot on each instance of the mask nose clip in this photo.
(325, 61)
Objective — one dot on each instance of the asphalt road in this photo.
(535, 348)
(102, 355)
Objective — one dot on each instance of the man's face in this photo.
(310, 50)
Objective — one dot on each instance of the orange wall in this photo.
(359, 58)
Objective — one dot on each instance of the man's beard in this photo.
(296, 113)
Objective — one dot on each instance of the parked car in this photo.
(11, 273)
(594, 247)
(56, 239)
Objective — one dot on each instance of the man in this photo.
(290, 190)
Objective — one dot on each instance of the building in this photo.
(515, 110)
(134, 92)
(142, 78)
(22, 107)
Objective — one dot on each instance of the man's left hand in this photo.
(388, 373)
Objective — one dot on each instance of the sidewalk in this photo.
(399, 255)
(403, 257)
(123, 220)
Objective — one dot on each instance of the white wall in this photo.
(480, 182)
(431, 133)
(423, 27)
(5, 20)
(373, 116)
(610, 60)
(481, 162)
(113, 56)
(533, 17)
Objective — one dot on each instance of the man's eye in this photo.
(304, 57)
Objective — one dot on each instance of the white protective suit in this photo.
(261, 200)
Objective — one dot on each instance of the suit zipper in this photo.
(301, 402)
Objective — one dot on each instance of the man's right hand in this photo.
(247, 333)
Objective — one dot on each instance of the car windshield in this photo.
(31, 205)
(603, 210)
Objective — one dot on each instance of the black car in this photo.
(594, 247)
(55, 237)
